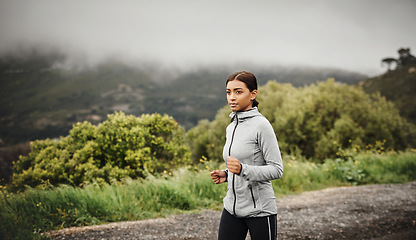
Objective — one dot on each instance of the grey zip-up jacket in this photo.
(250, 139)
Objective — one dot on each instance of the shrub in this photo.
(208, 138)
(122, 146)
(315, 121)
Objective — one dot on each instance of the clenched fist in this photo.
(233, 165)
(218, 176)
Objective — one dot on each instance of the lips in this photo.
(233, 104)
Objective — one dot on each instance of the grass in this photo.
(25, 215)
(390, 168)
(37, 210)
(302, 176)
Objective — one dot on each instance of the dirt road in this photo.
(379, 212)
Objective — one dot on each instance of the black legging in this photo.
(261, 228)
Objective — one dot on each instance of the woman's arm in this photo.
(273, 169)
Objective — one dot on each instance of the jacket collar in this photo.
(243, 115)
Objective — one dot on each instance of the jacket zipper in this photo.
(252, 196)
(229, 154)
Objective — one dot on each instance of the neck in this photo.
(246, 110)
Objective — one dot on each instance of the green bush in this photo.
(315, 121)
(122, 146)
(207, 139)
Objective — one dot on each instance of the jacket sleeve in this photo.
(273, 168)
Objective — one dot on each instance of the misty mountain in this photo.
(40, 97)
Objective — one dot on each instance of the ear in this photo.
(253, 94)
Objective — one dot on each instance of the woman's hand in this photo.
(218, 176)
(233, 165)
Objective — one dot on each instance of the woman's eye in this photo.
(239, 92)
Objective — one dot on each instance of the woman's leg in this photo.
(231, 228)
(263, 228)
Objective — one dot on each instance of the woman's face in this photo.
(239, 96)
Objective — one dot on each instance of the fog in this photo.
(350, 34)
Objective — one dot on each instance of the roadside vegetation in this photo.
(26, 214)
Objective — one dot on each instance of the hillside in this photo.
(399, 87)
(39, 98)
(45, 103)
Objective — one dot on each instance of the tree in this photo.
(389, 62)
(405, 57)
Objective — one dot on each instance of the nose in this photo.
(232, 96)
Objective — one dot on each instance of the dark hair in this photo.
(248, 78)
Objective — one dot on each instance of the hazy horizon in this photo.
(349, 35)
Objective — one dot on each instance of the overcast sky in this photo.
(350, 34)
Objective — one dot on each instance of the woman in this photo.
(253, 158)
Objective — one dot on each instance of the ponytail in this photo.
(255, 103)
